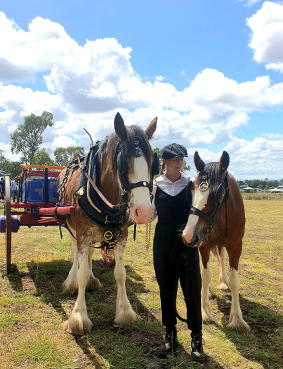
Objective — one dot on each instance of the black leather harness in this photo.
(111, 218)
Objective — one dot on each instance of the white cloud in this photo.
(159, 78)
(63, 141)
(252, 2)
(255, 159)
(86, 85)
(267, 35)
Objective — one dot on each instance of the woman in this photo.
(172, 259)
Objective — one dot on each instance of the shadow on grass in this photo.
(264, 343)
(120, 348)
(15, 278)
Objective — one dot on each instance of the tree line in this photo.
(265, 184)
(26, 140)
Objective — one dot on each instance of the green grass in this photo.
(32, 307)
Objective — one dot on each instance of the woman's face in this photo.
(174, 164)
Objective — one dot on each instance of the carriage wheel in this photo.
(8, 224)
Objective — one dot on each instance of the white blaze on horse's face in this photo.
(199, 200)
(141, 209)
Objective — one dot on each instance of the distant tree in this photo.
(64, 155)
(4, 162)
(14, 169)
(157, 149)
(28, 136)
(42, 158)
(186, 167)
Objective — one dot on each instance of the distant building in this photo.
(246, 188)
(275, 190)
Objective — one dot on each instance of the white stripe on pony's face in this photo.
(199, 200)
(141, 208)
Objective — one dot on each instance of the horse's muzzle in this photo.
(192, 244)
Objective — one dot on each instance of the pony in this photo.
(217, 221)
(118, 170)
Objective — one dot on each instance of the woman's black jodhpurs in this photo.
(174, 261)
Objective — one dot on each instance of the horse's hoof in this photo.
(206, 315)
(237, 322)
(77, 324)
(126, 319)
(224, 287)
(70, 286)
(242, 326)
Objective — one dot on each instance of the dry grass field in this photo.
(32, 307)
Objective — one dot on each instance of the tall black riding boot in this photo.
(170, 342)
(197, 350)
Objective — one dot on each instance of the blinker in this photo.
(155, 164)
(121, 162)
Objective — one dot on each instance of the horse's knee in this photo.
(234, 280)
(120, 273)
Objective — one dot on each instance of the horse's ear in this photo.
(199, 164)
(224, 162)
(151, 128)
(120, 127)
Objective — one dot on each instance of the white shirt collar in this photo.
(163, 178)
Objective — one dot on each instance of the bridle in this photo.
(221, 197)
(120, 163)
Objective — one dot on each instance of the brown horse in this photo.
(117, 171)
(217, 218)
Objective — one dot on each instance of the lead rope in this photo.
(147, 235)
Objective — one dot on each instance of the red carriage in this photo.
(36, 206)
(36, 203)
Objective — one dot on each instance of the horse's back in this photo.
(236, 215)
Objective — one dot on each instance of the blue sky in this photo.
(210, 70)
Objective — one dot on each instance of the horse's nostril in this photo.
(195, 239)
(137, 212)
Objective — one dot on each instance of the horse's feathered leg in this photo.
(79, 322)
(223, 278)
(93, 282)
(236, 317)
(71, 283)
(125, 314)
(206, 281)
